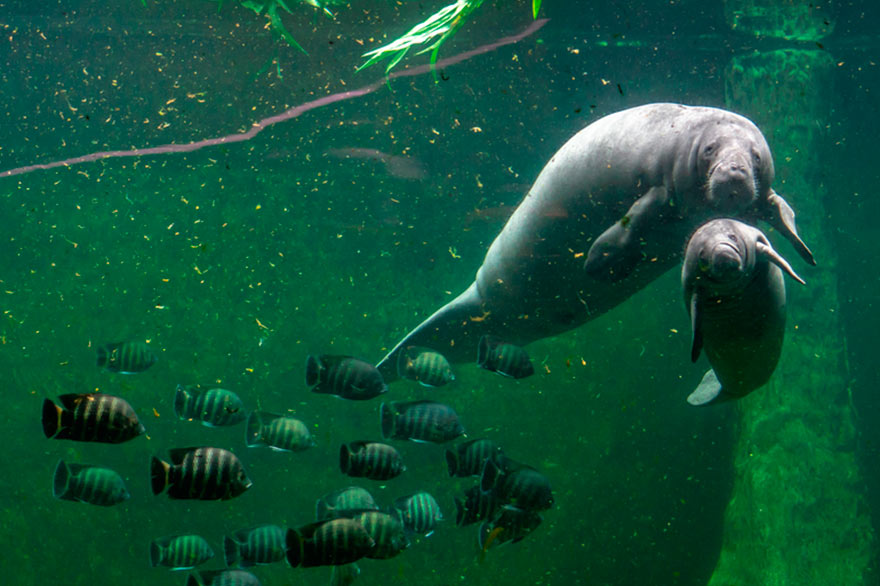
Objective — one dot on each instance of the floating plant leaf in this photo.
(443, 24)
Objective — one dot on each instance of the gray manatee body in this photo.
(609, 213)
(735, 294)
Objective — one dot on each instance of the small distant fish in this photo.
(511, 525)
(88, 484)
(373, 460)
(341, 503)
(328, 543)
(469, 457)
(424, 366)
(477, 505)
(257, 545)
(200, 473)
(222, 578)
(180, 552)
(213, 407)
(126, 357)
(386, 530)
(278, 432)
(344, 376)
(498, 356)
(91, 417)
(517, 485)
(397, 166)
(425, 421)
(419, 513)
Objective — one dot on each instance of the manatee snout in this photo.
(732, 184)
(725, 262)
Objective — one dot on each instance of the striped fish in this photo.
(222, 578)
(419, 513)
(373, 460)
(126, 357)
(278, 432)
(424, 366)
(257, 545)
(477, 505)
(421, 421)
(344, 376)
(386, 530)
(510, 525)
(88, 484)
(328, 543)
(469, 457)
(179, 552)
(340, 503)
(91, 417)
(213, 407)
(498, 356)
(200, 473)
(517, 485)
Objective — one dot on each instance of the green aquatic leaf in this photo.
(443, 24)
(270, 8)
(536, 7)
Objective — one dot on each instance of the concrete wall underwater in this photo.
(798, 513)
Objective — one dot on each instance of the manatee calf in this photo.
(735, 294)
(607, 215)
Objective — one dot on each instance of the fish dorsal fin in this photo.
(177, 454)
(770, 254)
(70, 400)
(696, 328)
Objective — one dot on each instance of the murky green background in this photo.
(237, 261)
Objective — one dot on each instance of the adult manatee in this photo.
(609, 213)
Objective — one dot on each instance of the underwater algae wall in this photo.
(797, 514)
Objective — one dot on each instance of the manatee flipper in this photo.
(454, 330)
(708, 391)
(780, 215)
(617, 250)
(767, 251)
(696, 331)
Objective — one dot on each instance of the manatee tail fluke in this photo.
(454, 330)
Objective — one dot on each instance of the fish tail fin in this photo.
(490, 475)
(231, 551)
(344, 459)
(61, 482)
(460, 511)
(313, 370)
(293, 542)
(344, 575)
(51, 418)
(404, 364)
(387, 416)
(102, 356)
(159, 474)
(155, 554)
(254, 432)
(181, 397)
(452, 462)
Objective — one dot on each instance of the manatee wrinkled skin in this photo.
(609, 213)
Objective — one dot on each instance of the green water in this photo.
(238, 261)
